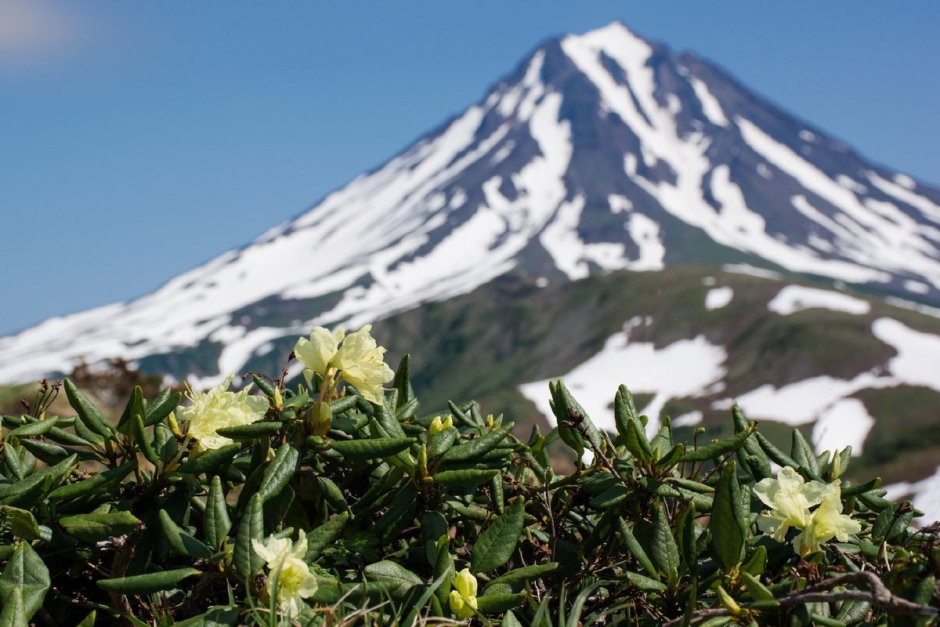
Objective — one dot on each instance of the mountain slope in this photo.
(600, 152)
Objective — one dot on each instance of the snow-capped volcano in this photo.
(600, 152)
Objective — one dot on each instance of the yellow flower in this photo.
(463, 599)
(789, 499)
(360, 361)
(218, 408)
(289, 579)
(437, 425)
(826, 523)
(317, 352)
(357, 356)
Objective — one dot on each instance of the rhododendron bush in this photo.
(339, 499)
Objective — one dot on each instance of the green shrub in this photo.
(338, 502)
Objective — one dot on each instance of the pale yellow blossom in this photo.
(318, 351)
(219, 408)
(463, 598)
(360, 361)
(289, 579)
(789, 498)
(357, 357)
(826, 522)
(437, 425)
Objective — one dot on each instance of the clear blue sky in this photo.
(140, 139)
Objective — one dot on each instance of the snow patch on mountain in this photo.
(794, 298)
(683, 368)
(718, 297)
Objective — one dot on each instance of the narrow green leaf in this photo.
(526, 573)
(464, 478)
(323, 536)
(637, 443)
(665, 551)
(499, 603)
(251, 527)
(92, 528)
(87, 411)
(624, 410)
(728, 524)
(775, 453)
(142, 439)
(755, 588)
(146, 584)
(643, 582)
(211, 460)
(161, 406)
(635, 548)
(38, 427)
(498, 540)
(716, 449)
(261, 429)
(217, 523)
(804, 455)
(180, 541)
(93, 484)
(478, 446)
(279, 472)
(373, 448)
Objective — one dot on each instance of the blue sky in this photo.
(140, 139)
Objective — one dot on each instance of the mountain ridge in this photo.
(597, 152)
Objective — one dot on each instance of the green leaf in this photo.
(279, 472)
(398, 577)
(643, 582)
(477, 447)
(498, 540)
(323, 536)
(135, 407)
(440, 443)
(665, 551)
(775, 453)
(624, 410)
(251, 527)
(211, 460)
(760, 463)
(728, 524)
(374, 448)
(251, 431)
(464, 478)
(217, 523)
(180, 541)
(803, 454)
(635, 548)
(23, 586)
(35, 428)
(755, 588)
(717, 449)
(526, 573)
(637, 443)
(498, 603)
(161, 406)
(93, 484)
(142, 439)
(23, 524)
(86, 410)
(146, 584)
(92, 528)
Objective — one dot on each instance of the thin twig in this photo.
(879, 596)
